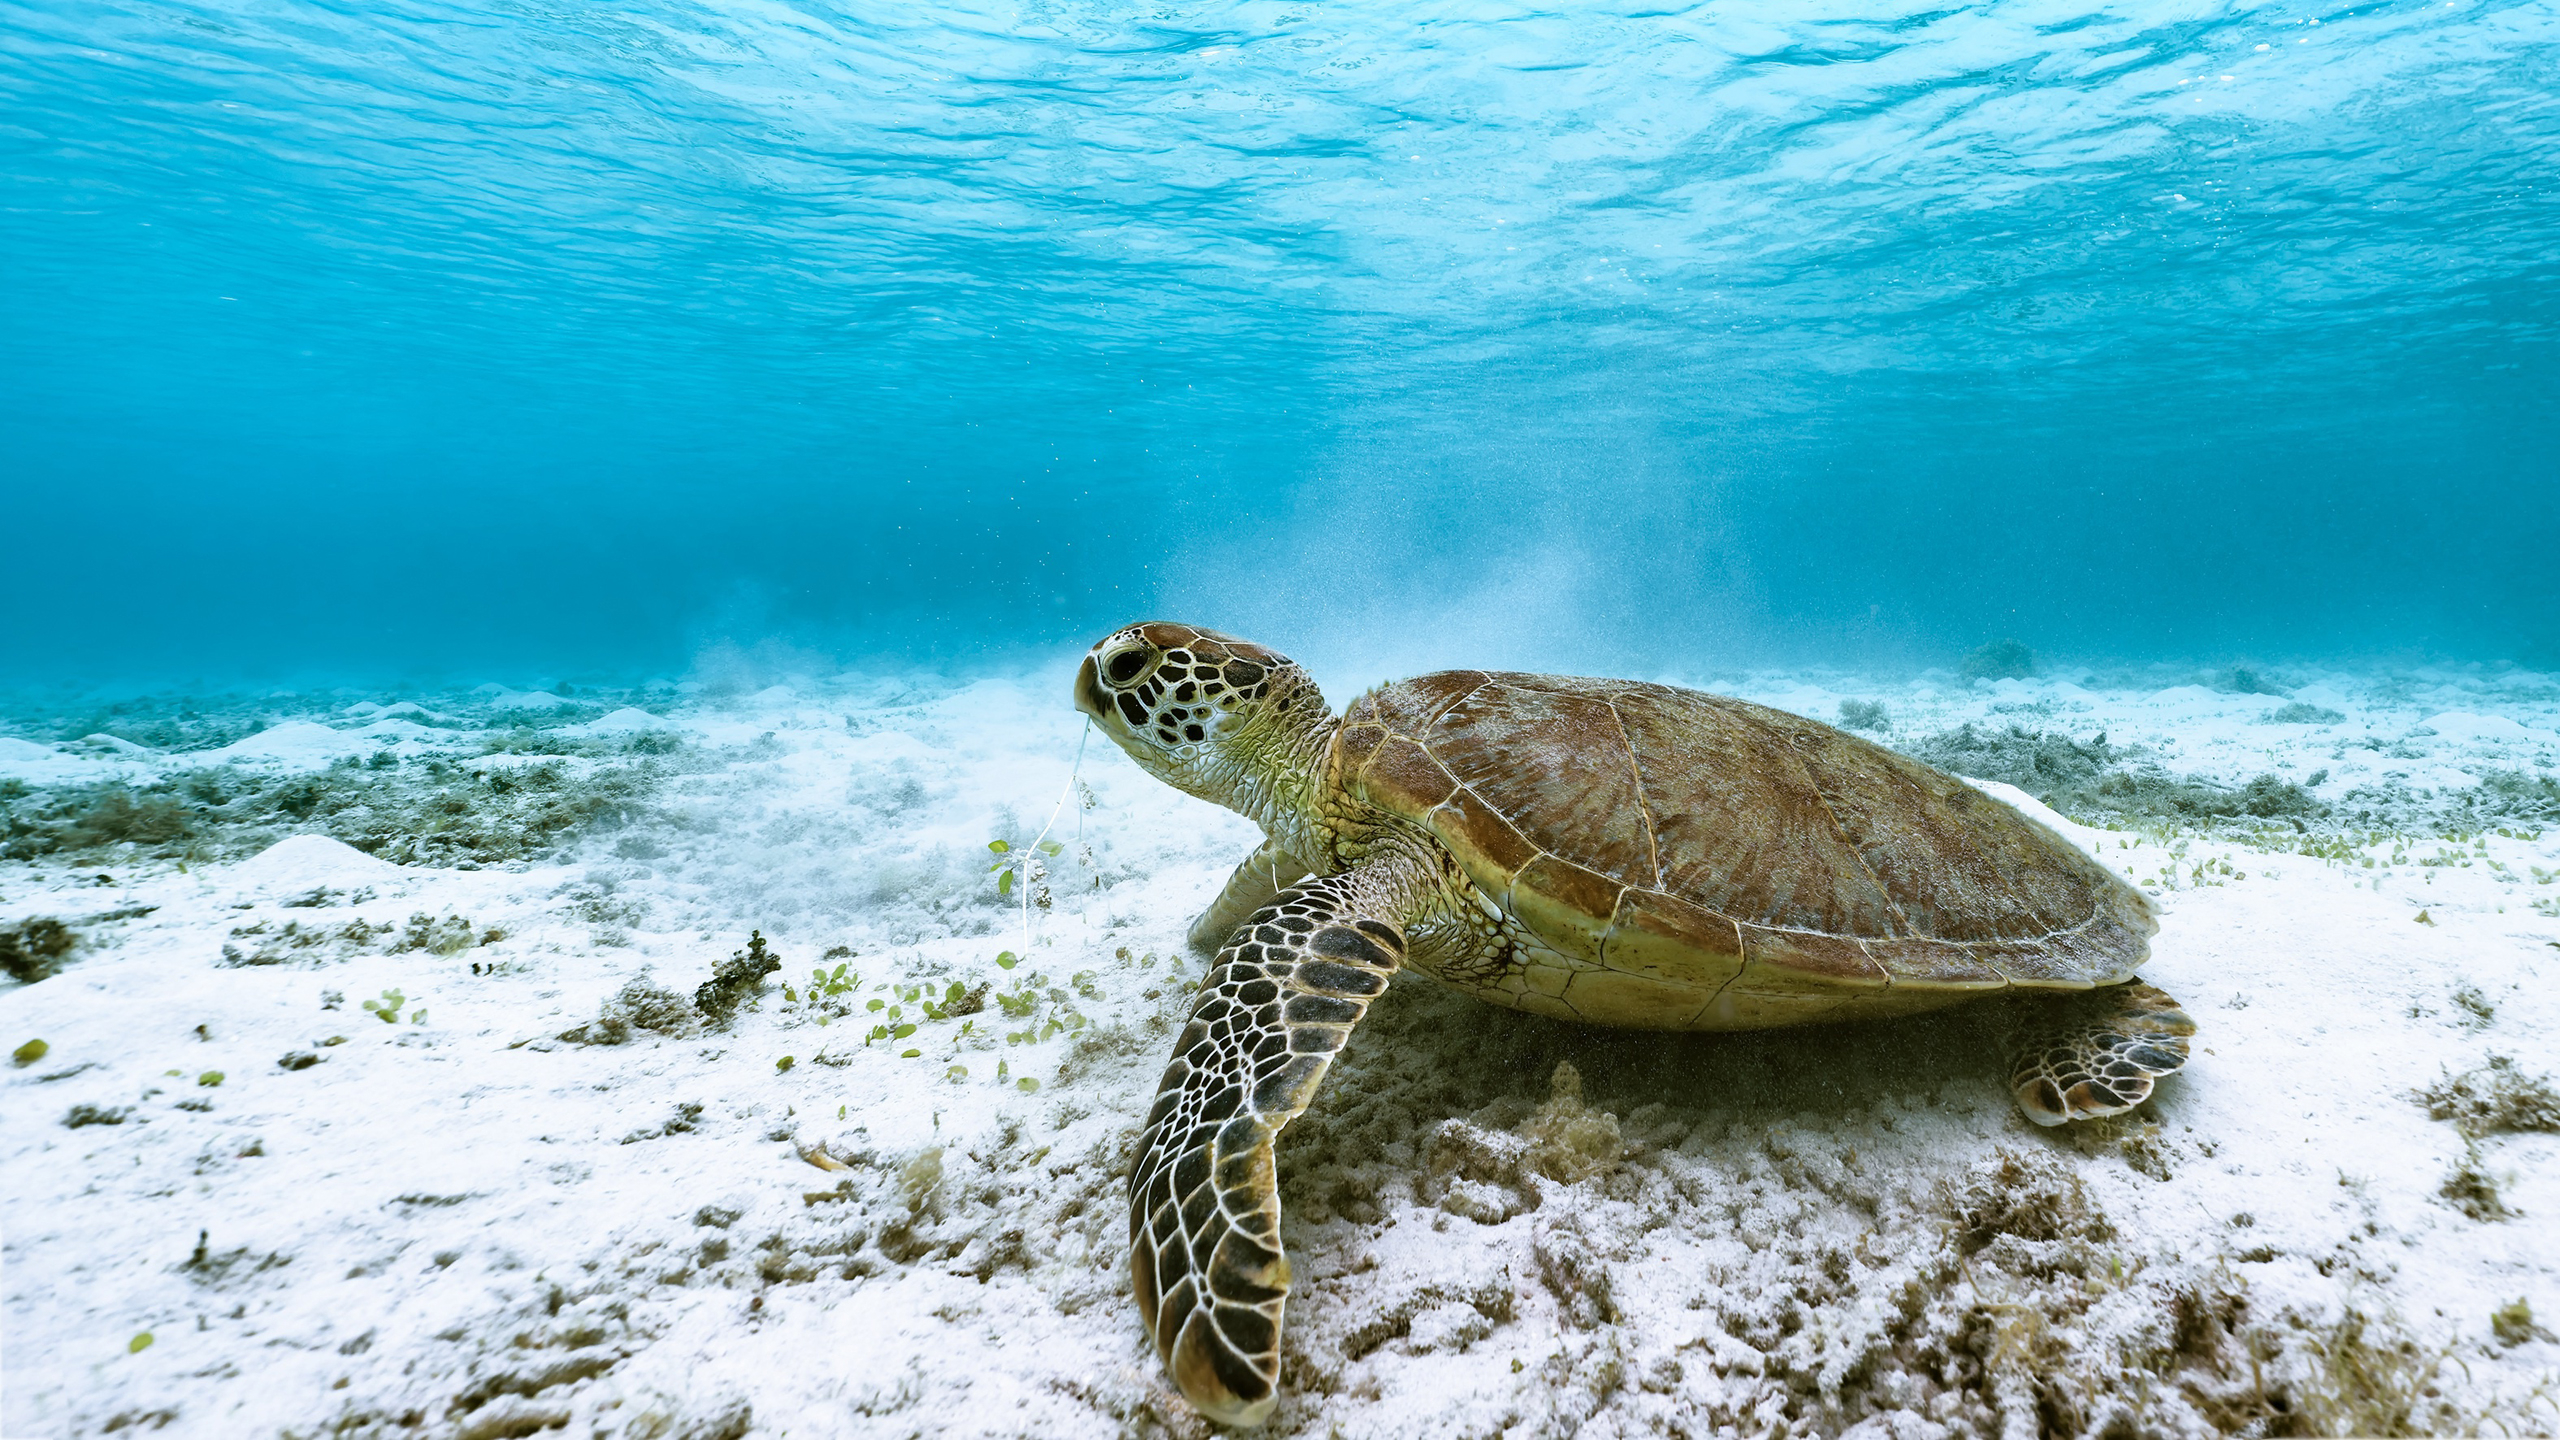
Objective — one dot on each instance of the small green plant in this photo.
(2513, 1323)
(783, 1065)
(1012, 865)
(209, 1079)
(29, 1053)
(1026, 1085)
(1006, 959)
(945, 1006)
(138, 1343)
(824, 985)
(387, 1009)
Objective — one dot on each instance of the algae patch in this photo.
(34, 949)
(2496, 1097)
(2096, 782)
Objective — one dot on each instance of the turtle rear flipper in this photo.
(2099, 1053)
(1204, 1198)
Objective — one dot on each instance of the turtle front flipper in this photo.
(2099, 1053)
(1260, 879)
(1204, 1198)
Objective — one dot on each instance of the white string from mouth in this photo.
(1064, 792)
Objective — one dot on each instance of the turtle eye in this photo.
(1125, 667)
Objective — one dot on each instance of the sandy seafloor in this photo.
(460, 1224)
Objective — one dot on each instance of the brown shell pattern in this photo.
(1606, 812)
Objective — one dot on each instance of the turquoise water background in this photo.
(531, 338)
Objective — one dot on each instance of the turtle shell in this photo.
(1699, 841)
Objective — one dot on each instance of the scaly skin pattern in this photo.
(1205, 1258)
(2097, 1054)
(1390, 887)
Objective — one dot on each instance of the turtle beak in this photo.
(1089, 696)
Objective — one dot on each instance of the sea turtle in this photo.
(1605, 851)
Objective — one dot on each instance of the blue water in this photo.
(393, 337)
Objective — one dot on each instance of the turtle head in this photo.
(1208, 714)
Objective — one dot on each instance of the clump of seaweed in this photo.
(2372, 1379)
(2002, 659)
(736, 978)
(2513, 794)
(2033, 760)
(33, 950)
(2268, 797)
(640, 1004)
(117, 816)
(299, 944)
(431, 811)
(2027, 1197)
(89, 818)
(2493, 1099)
(2094, 782)
(1864, 715)
(2245, 680)
(2301, 713)
(450, 935)
(2471, 1189)
(2502, 798)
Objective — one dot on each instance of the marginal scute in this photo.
(1633, 1002)
(1558, 899)
(2058, 963)
(1651, 913)
(1659, 937)
(1935, 965)
(1827, 958)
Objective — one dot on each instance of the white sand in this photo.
(464, 1226)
